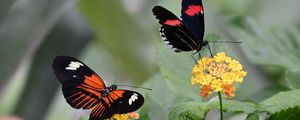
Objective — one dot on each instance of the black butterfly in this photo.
(186, 34)
(83, 88)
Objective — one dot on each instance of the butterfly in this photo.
(84, 89)
(186, 34)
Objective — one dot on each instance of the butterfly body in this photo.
(84, 89)
(106, 90)
(184, 34)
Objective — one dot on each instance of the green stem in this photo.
(221, 105)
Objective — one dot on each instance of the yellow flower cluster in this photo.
(217, 74)
(128, 116)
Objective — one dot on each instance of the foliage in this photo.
(288, 114)
(113, 36)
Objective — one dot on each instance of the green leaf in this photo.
(292, 77)
(273, 43)
(188, 111)
(288, 114)
(253, 116)
(276, 50)
(116, 31)
(162, 98)
(197, 110)
(281, 101)
(232, 105)
(176, 69)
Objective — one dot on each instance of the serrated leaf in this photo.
(281, 101)
(288, 114)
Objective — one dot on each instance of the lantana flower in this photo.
(218, 74)
(128, 116)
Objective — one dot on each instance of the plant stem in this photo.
(221, 105)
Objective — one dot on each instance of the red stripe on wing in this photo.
(192, 10)
(172, 22)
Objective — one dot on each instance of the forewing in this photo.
(117, 102)
(173, 31)
(80, 85)
(192, 14)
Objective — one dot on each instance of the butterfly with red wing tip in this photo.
(186, 34)
(84, 89)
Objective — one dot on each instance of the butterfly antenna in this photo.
(226, 41)
(135, 87)
(117, 76)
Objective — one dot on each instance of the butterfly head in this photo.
(108, 89)
(112, 87)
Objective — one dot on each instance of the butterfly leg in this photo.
(194, 57)
(199, 54)
(208, 46)
(201, 59)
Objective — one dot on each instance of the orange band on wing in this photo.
(94, 81)
(90, 90)
(116, 94)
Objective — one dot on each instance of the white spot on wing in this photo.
(130, 102)
(166, 41)
(164, 38)
(133, 97)
(74, 65)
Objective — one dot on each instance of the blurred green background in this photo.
(121, 36)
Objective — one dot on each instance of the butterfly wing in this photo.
(174, 31)
(117, 102)
(80, 85)
(192, 14)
